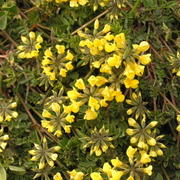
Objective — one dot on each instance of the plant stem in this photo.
(91, 21)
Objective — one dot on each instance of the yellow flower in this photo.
(130, 152)
(132, 69)
(115, 60)
(119, 96)
(80, 84)
(108, 93)
(93, 103)
(178, 118)
(37, 46)
(55, 107)
(96, 176)
(73, 94)
(46, 61)
(34, 53)
(142, 47)
(116, 175)
(97, 151)
(94, 51)
(69, 66)
(63, 72)
(92, 80)
(67, 129)
(131, 83)
(57, 176)
(52, 76)
(109, 47)
(74, 175)
(107, 169)
(48, 52)
(60, 48)
(21, 55)
(145, 59)
(100, 81)
(39, 39)
(105, 68)
(96, 64)
(120, 40)
(70, 118)
(145, 158)
(41, 164)
(74, 107)
(103, 103)
(46, 114)
(148, 170)
(69, 56)
(90, 114)
(178, 128)
(106, 29)
(109, 36)
(58, 133)
(21, 47)
(130, 178)
(116, 162)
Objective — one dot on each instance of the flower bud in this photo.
(13, 105)
(152, 124)
(32, 35)
(96, 24)
(24, 39)
(14, 114)
(151, 141)
(131, 132)
(55, 107)
(5, 137)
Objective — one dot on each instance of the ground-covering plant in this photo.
(89, 89)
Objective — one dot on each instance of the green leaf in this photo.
(148, 3)
(3, 20)
(17, 169)
(159, 177)
(3, 175)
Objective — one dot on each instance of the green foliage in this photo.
(23, 81)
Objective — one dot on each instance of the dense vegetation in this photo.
(89, 89)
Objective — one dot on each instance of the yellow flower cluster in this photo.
(93, 95)
(6, 110)
(178, 120)
(101, 3)
(30, 47)
(74, 175)
(72, 3)
(43, 154)
(99, 141)
(58, 120)
(3, 139)
(138, 109)
(175, 63)
(109, 53)
(144, 138)
(58, 64)
(90, 94)
(138, 161)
